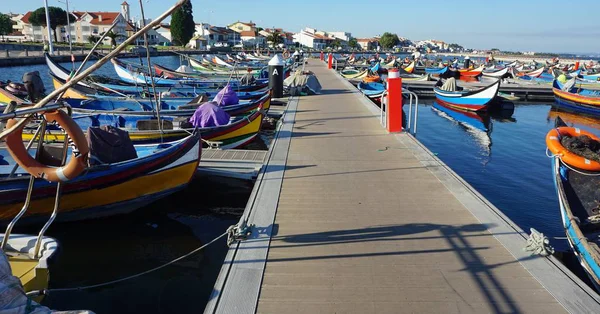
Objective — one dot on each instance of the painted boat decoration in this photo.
(569, 92)
(239, 132)
(496, 73)
(410, 68)
(477, 100)
(472, 72)
(107, 189)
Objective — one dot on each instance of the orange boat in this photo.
(472, 72)
(370, 79)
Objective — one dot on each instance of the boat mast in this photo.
(50, 47)
(156, 98)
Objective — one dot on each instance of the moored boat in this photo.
(582, 96)
(478, 100)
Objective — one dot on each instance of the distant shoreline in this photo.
(511, 58)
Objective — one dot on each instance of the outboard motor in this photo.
(35, 86)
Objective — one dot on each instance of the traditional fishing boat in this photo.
(578, 195)
(372, 89)
(472, 72)
(436, 71)
(358, 75)
(496, 73)
(105, 189)
(451, 95)
(576, 95)
(145, 130)
(410, 68)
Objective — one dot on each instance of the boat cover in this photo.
(449, 85)
(109, 144)
(302, 81)
(209, 114)
(226, 97)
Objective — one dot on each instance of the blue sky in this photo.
(524, 25)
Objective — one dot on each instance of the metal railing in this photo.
(413, 100)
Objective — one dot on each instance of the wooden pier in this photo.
(351, 219)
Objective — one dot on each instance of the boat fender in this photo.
(555, 146)
(73, 168)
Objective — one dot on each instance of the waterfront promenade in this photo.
(351, 219)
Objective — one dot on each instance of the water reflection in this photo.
(573, 119)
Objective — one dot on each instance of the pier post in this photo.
(330, 61)
(26, 53)
(7, 55)
(322, 56)
(394, 102)
(576, 66)
(276, 76)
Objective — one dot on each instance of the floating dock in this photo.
(232, 163)
(351, 219)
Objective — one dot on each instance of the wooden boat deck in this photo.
(350, 219)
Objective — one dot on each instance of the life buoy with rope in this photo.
(286, 54)
(568, 157)
(72, 169)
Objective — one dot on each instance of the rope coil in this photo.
(538, 244)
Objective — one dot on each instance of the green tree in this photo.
(113, 37)
(335, 44)
(389, 40)
(93, 39)
(258, 29)
(6, 25)
(455, 46)
(353, 43)
(182, 24)
(58, 17)
(275, 39)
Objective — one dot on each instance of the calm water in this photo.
(507, 164)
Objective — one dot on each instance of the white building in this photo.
(165, 31)
(313, 38)
(343, 36)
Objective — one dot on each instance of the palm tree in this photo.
(93, 39)
(113, 37)
(275, 38)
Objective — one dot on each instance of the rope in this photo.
(538, 244)
(227, 233)
(571, 168)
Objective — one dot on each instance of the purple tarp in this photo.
(209, 114)
(226, 97)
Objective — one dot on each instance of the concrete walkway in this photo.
(365, 225)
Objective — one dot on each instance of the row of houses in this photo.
(88, 26)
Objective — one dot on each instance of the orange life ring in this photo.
(572, 159)
(286, 54)
(73, 168)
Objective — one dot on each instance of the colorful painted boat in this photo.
(569, 92)
(477, 100)
(496, 73)
(105, 190)
(472, 72)
(577, 198)
(410, 68)
(371, 78)
(239, 132)
(372, 89)
(358, 75)
(436, 71)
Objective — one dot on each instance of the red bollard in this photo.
(394, 102)
(576, 66)
(322, 56)
(330, 61)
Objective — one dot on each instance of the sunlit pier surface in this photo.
(351, 219)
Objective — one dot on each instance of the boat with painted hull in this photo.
(471, 72)
(477, 100)
(240, 131)
(436, 71)
(107, 189)
(567, 91)
(578, 196)
(372, 89)
(495, 73)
